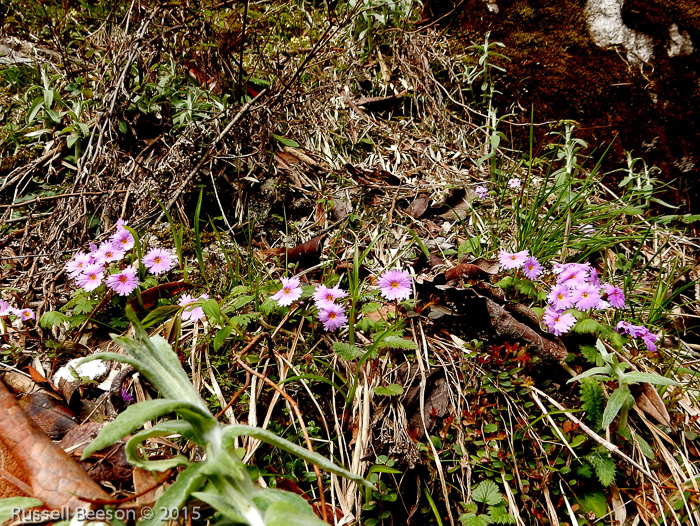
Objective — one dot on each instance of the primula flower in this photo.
(76, 265)
(191, 313)
(560, 297)
(158, 260)
(333, 317)
(91, 278)
(514, 183)
(124, 282)
(650, 340)
(5, 309)
(513, 259)
(395, 285)
(615, 296)
(532, 268)
(633, 330)
(323, 295)
(481, 192)
(573, 274)
(558, 322)
(28, 314)
(108, 252)
(593, 278)
(585, 296)
(289, 293)
(126, 396)
(123, 239)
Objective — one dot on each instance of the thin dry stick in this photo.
(297, 412)
(605, 443)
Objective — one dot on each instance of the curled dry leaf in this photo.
(464, 270)
(48, 473)
(649, 401)
(418, 207)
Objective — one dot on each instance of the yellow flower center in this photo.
(157, 261)
(122, 278)
(584, 295)
(394, 284)
(560, 297)
(93, 277)
(287, 291)
(331, 315)
(329, 297)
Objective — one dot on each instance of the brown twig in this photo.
(236, 395)
(59, 196)
(297, 412)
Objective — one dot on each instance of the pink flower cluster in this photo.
(393, 285)
(88, 268)
(23, 314)
(577, 287)
(637, 331)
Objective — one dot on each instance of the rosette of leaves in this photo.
(488, 507)
(221, 480)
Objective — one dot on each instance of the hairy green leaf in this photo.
(604, 467)
(615, 402)
(592, 400)
(637, 377)
(347, 351)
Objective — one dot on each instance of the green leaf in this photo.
(603, 372)
(488, 493)
(499, 515)
(591, 354)
(596, 503)
(286, 142)
(396, 342)
(389, 390)
(472, 519)
(175, 496)
(347, 351)
(578, 440)
(9, 506)
(211, 309)
(242, 301)
(234, 430)
(636, 377)
(525, 286)
(490, 428)
(282, 508)
(592, 400)
(134, 417)
(604, 467)
(170, 427)
(52, 318)
(267, 306)
(646, 449)
(159, 315)
(221, 335)
(615, 402)
(586, 326)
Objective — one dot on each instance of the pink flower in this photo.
(395, 285)
(323, 295)
(573, 274)
(514, 183)
(615, 296)
(650, 340)
(91, 278)
(585, 296)
(532, 268)
(28, 314)
(76, 265)
(124, 282)
(593, 278)
(158, 260)
(635, 331)
(289, 293)
(513, 259)
(191, 313)
(123, 239)
(5, 309)
(559, 323)
(560, 297)
(333, 317)
(481, 192)
(108, 252)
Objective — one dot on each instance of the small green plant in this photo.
(221, 480)
(621, 399)
(488, 507)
